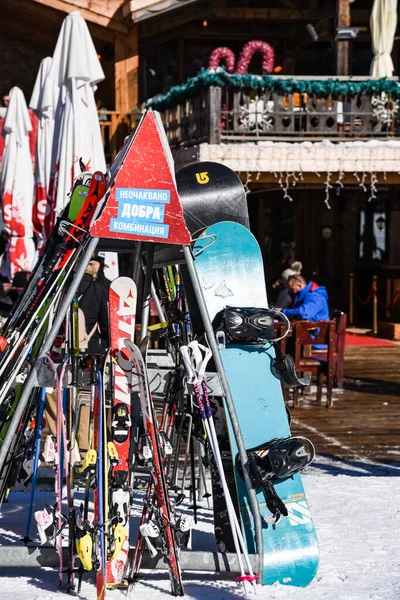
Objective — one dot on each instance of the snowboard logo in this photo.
(202, 178)
(299, 513)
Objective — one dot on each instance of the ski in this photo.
(154, 448)
(122, 309)
(46, 282)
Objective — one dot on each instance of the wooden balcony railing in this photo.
(224, 114)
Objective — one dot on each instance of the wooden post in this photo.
(388, 295)
(351, 299)
(126, 71)
(214, 115)
(375, 303)
(343, 48)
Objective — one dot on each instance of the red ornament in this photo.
(247, 53)
(225, 54)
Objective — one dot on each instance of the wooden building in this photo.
(320, 160)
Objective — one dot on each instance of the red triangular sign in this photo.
(143, 203)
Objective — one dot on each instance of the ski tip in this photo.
(3, 343)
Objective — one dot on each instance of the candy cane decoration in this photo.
(225, 54)
(249, 50)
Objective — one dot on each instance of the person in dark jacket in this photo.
(311, 300)
(284, 296)
(93, 301)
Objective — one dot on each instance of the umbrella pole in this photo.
(32, 377)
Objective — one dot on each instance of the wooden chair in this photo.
(306, 334)
(340, 319)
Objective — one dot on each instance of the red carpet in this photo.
(353, 339)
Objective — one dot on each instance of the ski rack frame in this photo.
(31, 555)
(219, 387)
(34, 377)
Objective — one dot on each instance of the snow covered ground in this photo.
(356, 509)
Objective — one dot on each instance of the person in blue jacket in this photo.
(311, 300)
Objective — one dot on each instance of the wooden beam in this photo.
(270, 14)
(126, 71)
(343, 47)
(159, 23)
(40, 24)
(92, 11)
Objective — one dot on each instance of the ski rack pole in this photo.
(137, 262)
(147, 290)
(57, 323)
(229, 401)
(157, 303)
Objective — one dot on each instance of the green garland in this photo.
(220, 78)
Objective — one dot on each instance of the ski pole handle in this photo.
(184, 350)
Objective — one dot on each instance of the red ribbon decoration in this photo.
(222, 53)
(247, 53)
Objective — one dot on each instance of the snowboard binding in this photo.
(256, 326)
(249, 325)
(283, 367)
(274, 462)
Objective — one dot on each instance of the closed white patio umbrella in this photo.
(17, 188)
(42, 103)
(383, 22)
(75, 72)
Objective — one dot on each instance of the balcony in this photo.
(261, 108)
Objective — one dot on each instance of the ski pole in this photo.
(32, 377)
(27, 539)
(196, 373)
(202, 475)
(231, 510)
(200, 366)
(226, 491)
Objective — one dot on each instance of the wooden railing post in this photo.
(388, 296)
(214, 115)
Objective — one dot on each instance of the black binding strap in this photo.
(283, 368)
(273, 502)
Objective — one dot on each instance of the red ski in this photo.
(122, 310)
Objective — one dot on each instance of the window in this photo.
(373, 232)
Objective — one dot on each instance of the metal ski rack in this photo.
(159, 372)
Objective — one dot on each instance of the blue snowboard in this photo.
(230, 268)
